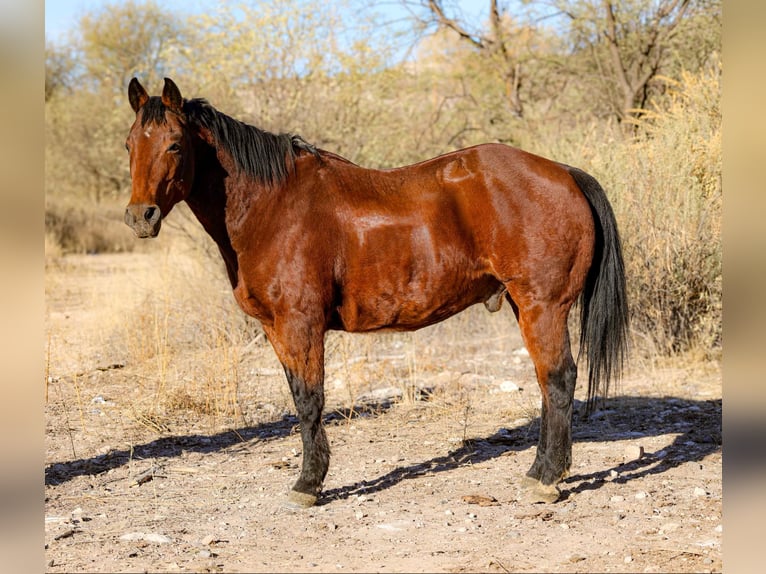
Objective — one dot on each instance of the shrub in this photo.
(73, 228)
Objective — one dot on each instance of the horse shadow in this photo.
(696, 424)
(168, 447)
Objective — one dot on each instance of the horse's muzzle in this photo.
(143, 219)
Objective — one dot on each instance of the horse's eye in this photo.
(127, 147)
(175, 148)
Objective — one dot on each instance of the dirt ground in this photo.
(431, 433)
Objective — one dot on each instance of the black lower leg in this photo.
(557, 458)
(309, 402)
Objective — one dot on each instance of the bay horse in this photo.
(313, 242)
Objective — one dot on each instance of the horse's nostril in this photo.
(150, 214)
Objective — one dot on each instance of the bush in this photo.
(672, 211)
(72, 228)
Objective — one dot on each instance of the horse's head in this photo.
(161, 157)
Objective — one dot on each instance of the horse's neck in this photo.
(207, 202)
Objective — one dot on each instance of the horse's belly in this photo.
(410, 306)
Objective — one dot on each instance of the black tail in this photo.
(604, 305)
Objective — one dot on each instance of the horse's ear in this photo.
(171, 96)
(137, 95)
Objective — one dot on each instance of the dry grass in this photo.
(73, 226)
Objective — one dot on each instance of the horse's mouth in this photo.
(144, 233)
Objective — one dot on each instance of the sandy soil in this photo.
(430, 432)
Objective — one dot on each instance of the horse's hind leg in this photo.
(544, 328)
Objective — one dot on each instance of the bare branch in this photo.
(454, 25)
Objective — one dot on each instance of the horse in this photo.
(313, 242)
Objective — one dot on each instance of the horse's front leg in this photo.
(299, 344)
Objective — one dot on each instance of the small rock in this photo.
(380, 395)
(576, 558)
(719, 528)
(208, 540)
(509, 387)
(641, 495)
(150, 537)
(633, 452)
(628, 559)
(699, 491)
(158, 538)
(132, 536)
(617, 499)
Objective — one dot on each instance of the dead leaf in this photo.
(480, 500)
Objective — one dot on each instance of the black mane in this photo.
(265, 156)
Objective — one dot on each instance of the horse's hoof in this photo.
(529, 482)
(539, 492)
(297, 499)
(546, 493)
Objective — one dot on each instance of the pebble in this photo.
(617, 498)
(207, 540)
(633, 452)
(641, 495)
(628, 559)
(699, 491)
(509, 387)
(150, 537)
